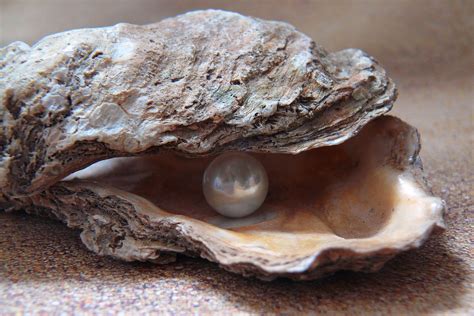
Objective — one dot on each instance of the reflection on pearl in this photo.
(235, 184)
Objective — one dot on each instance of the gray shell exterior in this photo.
(197, 84)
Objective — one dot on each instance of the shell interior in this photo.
(360, 196)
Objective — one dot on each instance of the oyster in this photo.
(346, 187)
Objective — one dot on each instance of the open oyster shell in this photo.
(174, 93)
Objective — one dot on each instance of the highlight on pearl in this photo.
(235, 184)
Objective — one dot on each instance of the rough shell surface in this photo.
(195, 85)
(198, 83)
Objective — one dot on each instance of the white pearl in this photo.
(235, 184)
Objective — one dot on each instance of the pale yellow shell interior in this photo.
(360, 195)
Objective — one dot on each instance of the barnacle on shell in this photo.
(110, 130)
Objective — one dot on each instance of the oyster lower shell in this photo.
(351, 206)
(195, 85)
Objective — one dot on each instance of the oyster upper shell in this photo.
(175, 92)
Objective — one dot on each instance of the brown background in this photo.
(426, 46)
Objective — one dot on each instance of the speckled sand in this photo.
(45, 268)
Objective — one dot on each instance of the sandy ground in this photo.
(426, 46)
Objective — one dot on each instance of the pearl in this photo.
(235, 184)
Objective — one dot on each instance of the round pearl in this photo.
(235, 184)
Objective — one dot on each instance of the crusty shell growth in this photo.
(199, 84)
